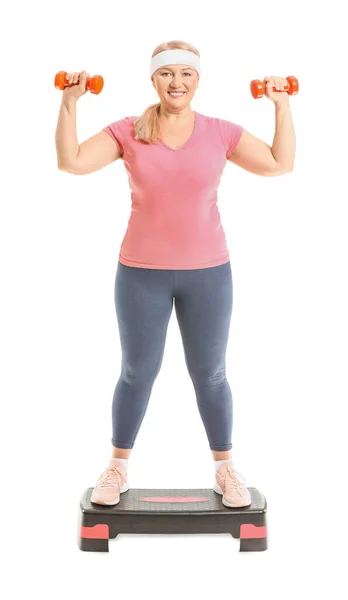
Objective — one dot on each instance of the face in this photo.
(175, 78)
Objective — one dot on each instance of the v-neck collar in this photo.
(188, 141)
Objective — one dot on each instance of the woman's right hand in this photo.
(79, 89)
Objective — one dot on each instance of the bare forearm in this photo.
(284, 142)
(67, 144)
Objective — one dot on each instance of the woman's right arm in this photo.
(80, 159)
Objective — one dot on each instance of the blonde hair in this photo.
(147, 126)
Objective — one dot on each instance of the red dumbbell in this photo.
(258, 88)
(94, 84)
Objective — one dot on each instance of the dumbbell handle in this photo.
(258, 88)
(94, 84)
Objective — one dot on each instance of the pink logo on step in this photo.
(174, 499)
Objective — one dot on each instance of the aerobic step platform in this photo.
(166, 511)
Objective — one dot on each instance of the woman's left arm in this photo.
(254, 155)
(284, 142)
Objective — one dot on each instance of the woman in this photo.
(174, 247)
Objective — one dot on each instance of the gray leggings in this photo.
(203, 305)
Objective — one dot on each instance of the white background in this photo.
(287, 354)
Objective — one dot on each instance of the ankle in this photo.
(123, 462)
(121, 452)
(218, 463)
(222, 455)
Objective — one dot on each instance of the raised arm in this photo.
(92, 155)
(255, 156)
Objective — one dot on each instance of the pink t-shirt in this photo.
(175, 222)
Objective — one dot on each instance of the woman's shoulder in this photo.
(209, 120)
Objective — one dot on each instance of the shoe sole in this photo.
(235, 505)
(124, 488)
(218, 490)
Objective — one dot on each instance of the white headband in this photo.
(175, 57)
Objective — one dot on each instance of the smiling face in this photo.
(175, 78)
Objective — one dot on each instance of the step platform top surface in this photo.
(145, 500)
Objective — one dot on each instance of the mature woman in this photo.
(174, 247)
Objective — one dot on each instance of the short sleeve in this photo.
(230, 133)
(118, 131)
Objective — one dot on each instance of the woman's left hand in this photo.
(278, 96)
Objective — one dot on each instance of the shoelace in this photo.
(232, 483)
(108, 477)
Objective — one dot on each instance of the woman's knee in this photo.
(139, 374)
(208, 377)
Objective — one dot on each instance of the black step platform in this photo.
(171, 511)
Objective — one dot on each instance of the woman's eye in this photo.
(167, 73)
